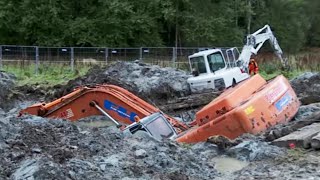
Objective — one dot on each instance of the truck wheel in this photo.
(234, 83)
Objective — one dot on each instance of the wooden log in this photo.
(277, 132)
(300, 138)
(191, 101)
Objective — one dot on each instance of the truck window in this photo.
(216, 62)
(198, 64)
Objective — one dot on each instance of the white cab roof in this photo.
(204, 53)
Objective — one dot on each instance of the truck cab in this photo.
(215, 69)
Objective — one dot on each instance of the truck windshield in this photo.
(159, 129)
(198, 64)
(216, 62)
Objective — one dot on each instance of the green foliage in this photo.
(136, 23)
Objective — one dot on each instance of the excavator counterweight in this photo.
(252, 107)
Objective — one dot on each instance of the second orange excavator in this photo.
(252, 106)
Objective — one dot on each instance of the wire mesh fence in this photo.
(76, 56)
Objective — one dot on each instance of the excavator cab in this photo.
(155, 125)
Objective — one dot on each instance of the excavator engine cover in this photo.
(251, 107)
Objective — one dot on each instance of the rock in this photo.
(255, 150)
(112, 160)
(2, 112)
(36, 150)
(307, 87)
(35, 120)
(141, 153)
(307, 110)
(26, 170)
(315, 141)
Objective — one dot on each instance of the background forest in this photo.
(136, 23)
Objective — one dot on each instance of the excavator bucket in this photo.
(251, 107)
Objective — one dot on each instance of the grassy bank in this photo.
(47, 75)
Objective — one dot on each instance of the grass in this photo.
(48, 75)
(288, 74)
(296, 153)
(271, 70)
(52, 74)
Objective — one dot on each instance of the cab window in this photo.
(159, 129)
(216, 62)
(198, 64)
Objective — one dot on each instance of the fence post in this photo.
(174, 56)
(37, 60)
(140, 58)
(72, 58)
(0, 57)
(106, 53)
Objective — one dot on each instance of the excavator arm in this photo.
(254, 43)
(121, 106)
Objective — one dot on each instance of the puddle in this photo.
(228, 165)
(95, 121)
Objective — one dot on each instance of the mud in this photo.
(38, 148)
(34, 147)
(6, 86)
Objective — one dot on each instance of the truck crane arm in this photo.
(255, 41)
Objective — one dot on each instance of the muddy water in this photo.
(228, 165)
(96, 122)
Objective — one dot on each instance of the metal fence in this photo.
(72, 56)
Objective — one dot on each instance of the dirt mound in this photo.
(307, 87)
(166, 88)
(148, 82)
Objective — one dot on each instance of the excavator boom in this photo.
(118, 103)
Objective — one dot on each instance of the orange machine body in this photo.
(251, 107)
(119, 103)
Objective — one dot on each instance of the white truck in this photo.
(222, 68)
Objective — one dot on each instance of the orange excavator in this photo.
(252, 106)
